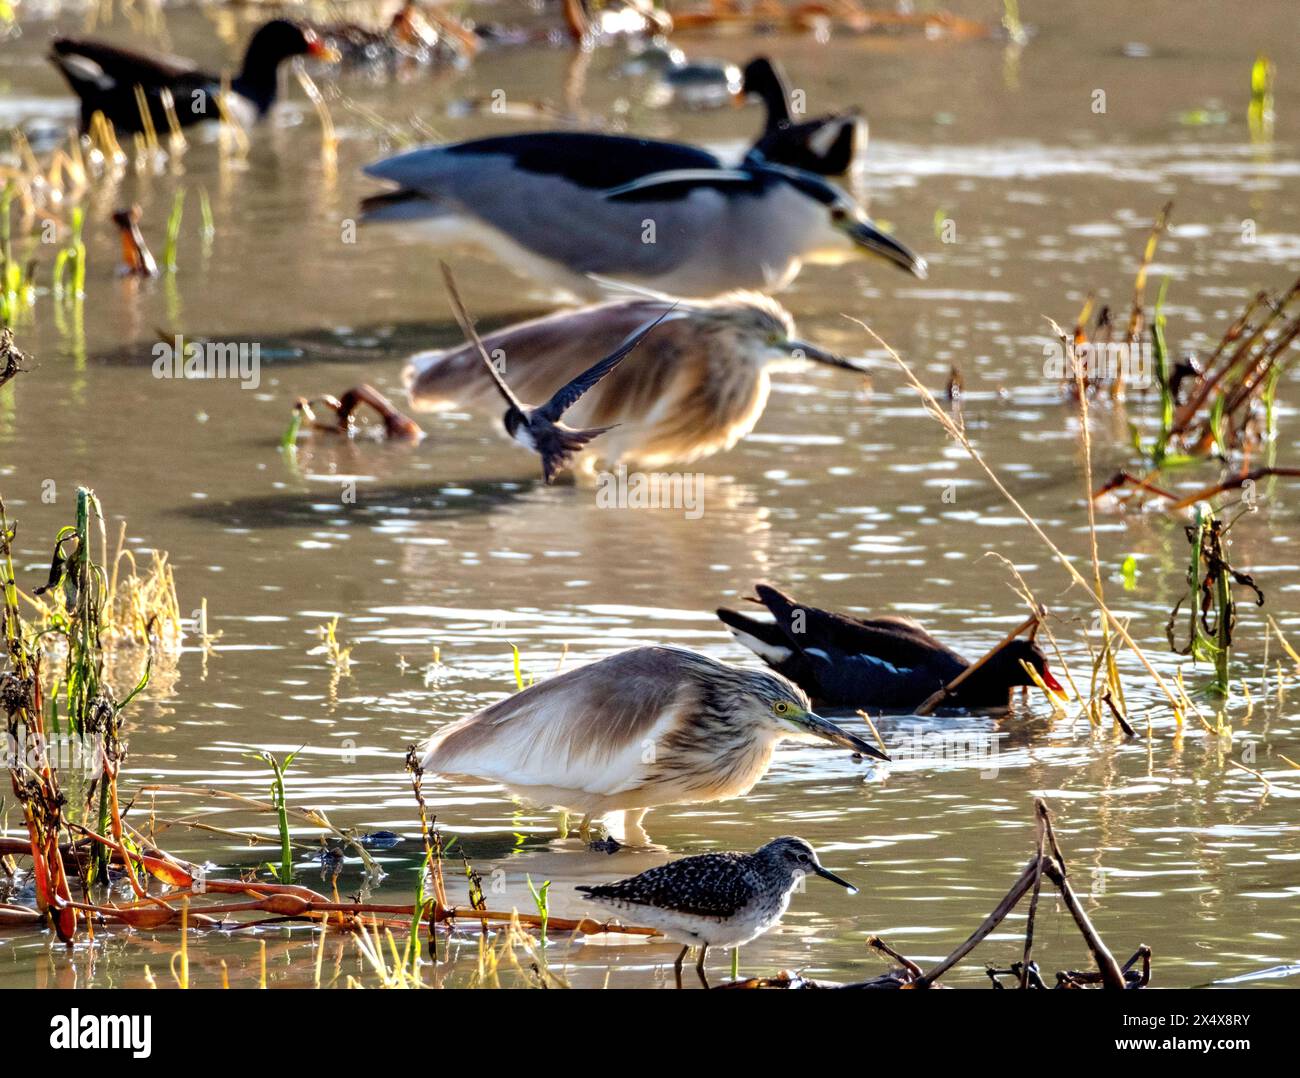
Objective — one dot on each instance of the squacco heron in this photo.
(647, 727)
(695, 387)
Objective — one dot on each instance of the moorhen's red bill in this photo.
(105, 77)
(885, 662)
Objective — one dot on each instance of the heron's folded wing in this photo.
(593, 729)
(708, 885)
(126, 66)
(898, 642)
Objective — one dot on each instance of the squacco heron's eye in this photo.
(781, 707)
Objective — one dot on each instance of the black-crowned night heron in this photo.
(825, 144)
(559, 206)
(715, 899)
(887, 662)
(106, 78)
(540, 429)
(647, 727)
(696, 386)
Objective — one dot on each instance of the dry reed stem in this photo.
(932, 406)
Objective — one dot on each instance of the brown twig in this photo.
(933, 701)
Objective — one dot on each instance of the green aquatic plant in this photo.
(173, 230)
(542, 902)
(284, 871)
(17, 275)
(1260, 114)
(72, 257)
(1211, 606)
(93, 714)
(208, 226)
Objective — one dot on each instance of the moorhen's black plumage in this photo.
(105, 77)
(885, 662)
(824, 145)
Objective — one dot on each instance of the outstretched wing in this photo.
(569, 395)
(471, 335)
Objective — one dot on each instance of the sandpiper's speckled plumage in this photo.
(715, 899)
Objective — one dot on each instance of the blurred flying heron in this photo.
(697, 386)
(540, 429)
(647, 727)
(559, 206)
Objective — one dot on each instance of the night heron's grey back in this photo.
(554, 197)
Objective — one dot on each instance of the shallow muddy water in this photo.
(847, 498)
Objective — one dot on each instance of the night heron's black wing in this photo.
(566, 397)
(471, 334)
(545, 191)
(707, 885)
(588, 159)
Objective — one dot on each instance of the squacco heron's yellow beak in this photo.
(810, 722)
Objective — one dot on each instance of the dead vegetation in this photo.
(1048, 862)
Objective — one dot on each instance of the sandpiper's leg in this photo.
(633, 833)
(677, 966)
(699, 966)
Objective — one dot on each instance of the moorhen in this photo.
(824, 145)
(885, 662)
(105, 77)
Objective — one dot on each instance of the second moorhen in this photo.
(105, 77)
(885, 662)
(824, 145)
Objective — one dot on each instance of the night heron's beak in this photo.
(826, 873)
(803, 350)
(815, 725)
(866, 235)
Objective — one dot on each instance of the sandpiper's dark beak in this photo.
(803, 350)
(870, 238)
(826, 873)
(828, 731)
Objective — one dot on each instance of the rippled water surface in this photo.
(452, 551)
